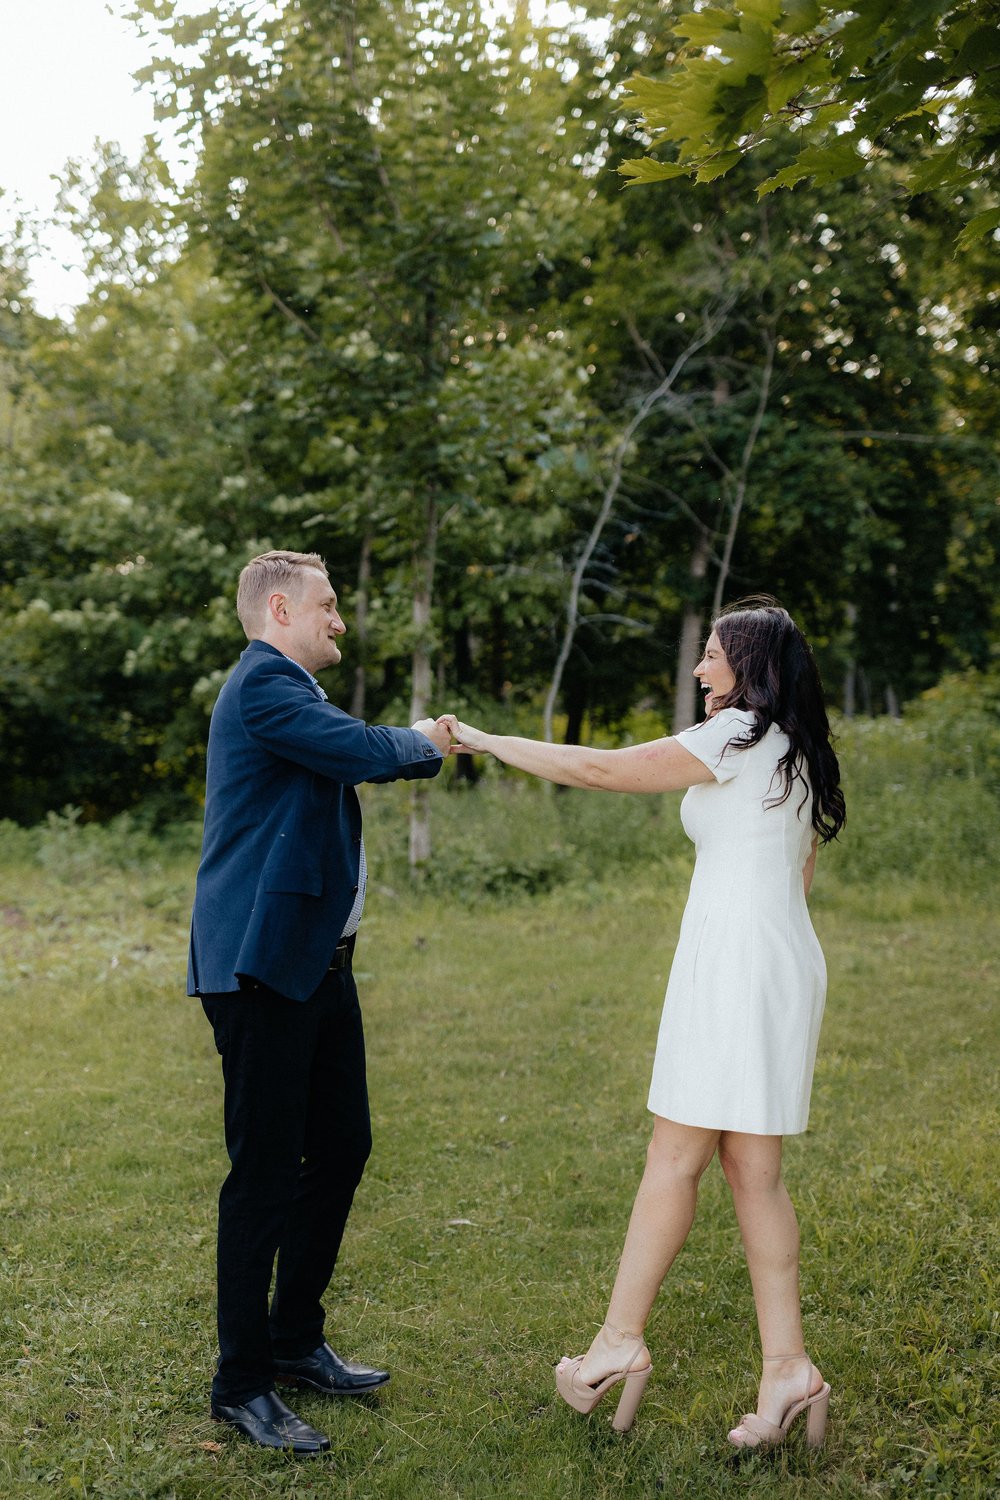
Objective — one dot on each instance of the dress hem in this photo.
(739, 1129)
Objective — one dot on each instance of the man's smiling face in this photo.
(314, 625)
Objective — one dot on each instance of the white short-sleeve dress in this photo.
(744, 1002)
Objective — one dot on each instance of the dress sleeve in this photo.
(709, 741)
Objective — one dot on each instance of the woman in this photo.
(737, 1043)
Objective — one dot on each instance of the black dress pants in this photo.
(298, 1134)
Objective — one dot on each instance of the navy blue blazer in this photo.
(281, 854)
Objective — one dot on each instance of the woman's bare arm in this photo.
(809, 868)
(656, 766)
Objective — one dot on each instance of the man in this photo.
(278, 901)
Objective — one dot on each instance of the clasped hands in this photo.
(452, 737)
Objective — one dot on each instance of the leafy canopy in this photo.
(919, 83)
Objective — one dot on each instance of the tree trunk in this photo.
(689, 648)
(851, 674)
(360, 630)
(851, 689)
(464, 652)
(498, 655)
(466, 769)
(423, 595)
(576, 707)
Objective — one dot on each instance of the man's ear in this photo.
(277, 608)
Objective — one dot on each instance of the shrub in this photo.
(70, 849)
(923, 792)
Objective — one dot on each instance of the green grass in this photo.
(509, 1046)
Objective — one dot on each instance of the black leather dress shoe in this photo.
(325, 1371)
(267, 1421)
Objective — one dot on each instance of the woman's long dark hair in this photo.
(777, 680)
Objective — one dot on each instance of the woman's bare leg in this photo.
(662, 1215)
(770, 1230)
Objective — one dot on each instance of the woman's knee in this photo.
(750, 1163)
(681, 1152)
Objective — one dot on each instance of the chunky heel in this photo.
(584, 1398)
(755, 1432)
(635, 1388)
(816, 1420)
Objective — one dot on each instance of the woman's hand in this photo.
(467, 740)
(436, 732)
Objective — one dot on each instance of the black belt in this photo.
(342, 953)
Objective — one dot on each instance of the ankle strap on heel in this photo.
(623, 1333)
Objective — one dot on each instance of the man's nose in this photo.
(339, 628)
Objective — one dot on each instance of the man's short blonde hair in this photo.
(272, 572)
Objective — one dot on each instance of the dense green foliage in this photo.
(404, 315)
(919, 84)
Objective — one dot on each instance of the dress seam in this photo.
(748, 1018)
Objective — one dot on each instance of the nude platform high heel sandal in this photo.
(584, 1397)
(755, 1432)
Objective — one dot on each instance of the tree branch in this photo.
(743, 472)
(712, 320)
(283, 307)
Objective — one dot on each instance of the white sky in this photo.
(65, 81)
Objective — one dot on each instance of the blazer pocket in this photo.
(294, 879)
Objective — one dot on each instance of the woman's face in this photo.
(713, 673)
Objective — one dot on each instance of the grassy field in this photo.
(509, 1043)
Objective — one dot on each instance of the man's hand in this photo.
(468, 741)
(437, 733)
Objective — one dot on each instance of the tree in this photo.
(406, 317)
(846, 487)
(20, 325)
(917, 85)
(369, 207)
